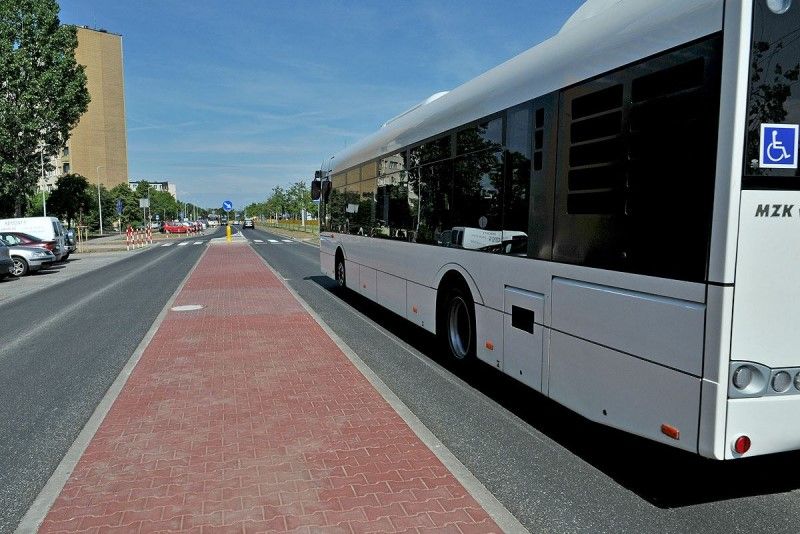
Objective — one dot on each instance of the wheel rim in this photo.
(340, 273)
(459, 328)
(19, 267)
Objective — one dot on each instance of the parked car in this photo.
(27, 240)
(71, 242)
(174, 227)
(28, 259)
(44, 228)
(6, 263)
(248, 223)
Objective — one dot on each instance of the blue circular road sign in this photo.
(227, 205)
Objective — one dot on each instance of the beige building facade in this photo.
(98, 147)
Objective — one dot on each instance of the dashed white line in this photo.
(258, 241)
(273, 240)
(198, 242)
(167, 245)
(286, 240)
(183, 244)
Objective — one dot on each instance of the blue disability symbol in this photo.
(778, 146)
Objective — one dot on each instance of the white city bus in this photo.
(611, 217)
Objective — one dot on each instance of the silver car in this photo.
(28, 259)
(6, 264)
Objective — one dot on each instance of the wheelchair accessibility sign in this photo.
(778, 146)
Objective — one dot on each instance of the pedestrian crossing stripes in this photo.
(273, 241)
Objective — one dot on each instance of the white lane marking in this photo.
(65, 311)
(286, 240)
(167, 245)
(272, 240)
(183, 244)
(198, 242)
(257, 241)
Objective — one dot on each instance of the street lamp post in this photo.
(99, 204)
(44, 185)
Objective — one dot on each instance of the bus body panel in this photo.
(772, 423)
(664, 330)
(622, 391)
(730, 141)
(766, 313)
(523, 336)
(391, 293)
(716, 365)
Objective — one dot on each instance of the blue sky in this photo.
(228, 99)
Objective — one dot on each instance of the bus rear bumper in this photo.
(771, 423)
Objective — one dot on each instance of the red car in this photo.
(174, 227)
(26, 240)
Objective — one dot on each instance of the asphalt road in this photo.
(60, 350)
(555, 471)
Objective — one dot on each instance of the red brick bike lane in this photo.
(244, 416)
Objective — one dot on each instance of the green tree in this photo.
(90, 215)
(163, 204)
(299, 199)
(71, 197)
(131, 213)
(36, 204)
(43, 94)
(277, 201)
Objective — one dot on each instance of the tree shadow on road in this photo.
(664, 476)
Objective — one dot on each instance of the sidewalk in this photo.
(245, 416)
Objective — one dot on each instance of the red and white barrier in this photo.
(128, 238)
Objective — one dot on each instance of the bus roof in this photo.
(600, 36)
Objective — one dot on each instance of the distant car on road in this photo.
(174, 227)
(6, 263)
(248, 223)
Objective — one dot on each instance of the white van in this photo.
(45, 228)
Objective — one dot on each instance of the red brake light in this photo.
(742, 444)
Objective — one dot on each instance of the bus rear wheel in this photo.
(457, 321)
(341, 273)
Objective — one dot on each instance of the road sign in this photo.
(119, 206)
(144, 202)
(157, 216)
(227, 205)
(778, 146)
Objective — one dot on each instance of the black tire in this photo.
(341, 273)
(65, 258)
(20, 266)
(457, 324)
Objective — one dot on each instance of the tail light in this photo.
(742, 444)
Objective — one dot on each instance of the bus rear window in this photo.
(773, 97)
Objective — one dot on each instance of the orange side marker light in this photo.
(670, 431)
